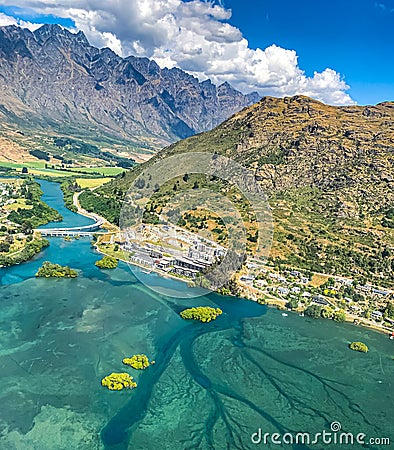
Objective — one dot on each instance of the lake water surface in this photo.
(212, 386)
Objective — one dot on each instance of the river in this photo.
(213, 385)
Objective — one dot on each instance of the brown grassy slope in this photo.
(328, 172)
(11, 151)
(299, 142)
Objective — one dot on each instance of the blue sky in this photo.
(274, 47)
(354, 37)
(30, 15)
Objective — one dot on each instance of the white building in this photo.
(376, 315)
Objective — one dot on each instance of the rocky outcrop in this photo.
(296, 142)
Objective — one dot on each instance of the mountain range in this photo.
(53, 81)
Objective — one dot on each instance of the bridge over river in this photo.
(87, 230)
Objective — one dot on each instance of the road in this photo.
(105, 224)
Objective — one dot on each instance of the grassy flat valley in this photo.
(44, 169)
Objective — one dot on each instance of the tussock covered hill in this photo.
(299, 142)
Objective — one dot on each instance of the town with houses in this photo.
(173, 251)
(362, 303)
(11, 233)
(9, 193)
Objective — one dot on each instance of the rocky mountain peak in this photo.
(81, 38)
(60, 37)
(50, 29)
(225, 87)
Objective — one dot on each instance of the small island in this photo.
(358, 347)
(118, 381)
(201, 313)
(138, 362)
(50, 270)
(107, 262)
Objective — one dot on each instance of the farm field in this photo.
(38, 168)
(91, 182)
(105, 171)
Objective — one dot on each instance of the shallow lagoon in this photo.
(212, 386)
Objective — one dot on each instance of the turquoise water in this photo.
(53, 196)
(212, 386)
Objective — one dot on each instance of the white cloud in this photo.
(8, 20)
(196, 37)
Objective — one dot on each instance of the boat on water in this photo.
(284, 314)
(391, 335)
(147, 271)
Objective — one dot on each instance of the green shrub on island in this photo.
(201, 313)
(50, 270)
(118, 381)
(358, 347)
(139, 362)
(107, 262)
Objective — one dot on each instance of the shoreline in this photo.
(13, 258)
(273, 302)
(280, 305)
(156, 271)
(369, 325)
